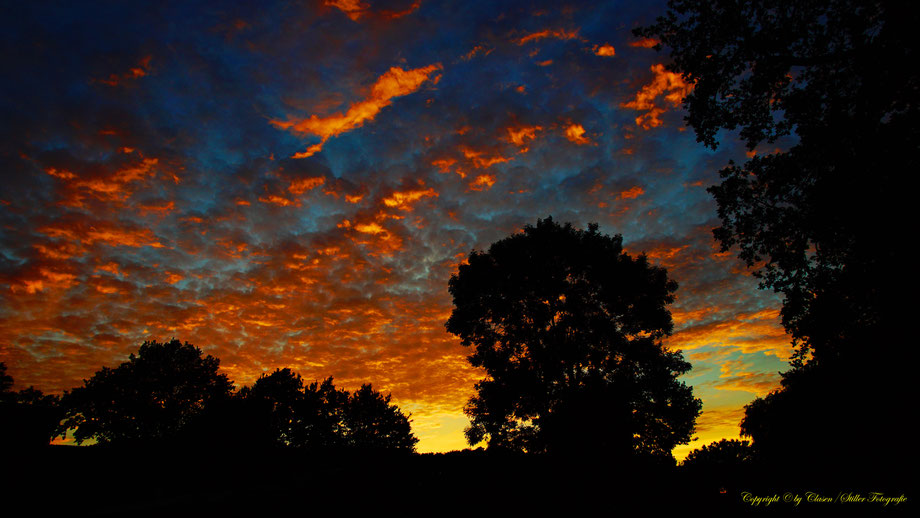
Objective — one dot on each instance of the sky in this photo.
(292, 184)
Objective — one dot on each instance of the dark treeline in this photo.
(169, 395)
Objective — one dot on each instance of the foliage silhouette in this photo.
(279, 410)
(816, 226)
(568, 329)
(151, 397)
(720, 455)
(28, 418)
(372, 423)
(819, 221)
(277, 399)
(6, 381)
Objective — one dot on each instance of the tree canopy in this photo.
(28, 418)
(818, 220)
(150, 397)
(568, 329)
(320, 416)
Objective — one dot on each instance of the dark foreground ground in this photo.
(93, 481)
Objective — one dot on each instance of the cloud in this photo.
(668, 86)
(605, 50)
(140, 70)
(759, 331)
(560, 34)
(645, 43)
(576, 133)
(357, 10)
(395, 82)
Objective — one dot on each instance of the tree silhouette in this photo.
(821, 221)
(6, 381)
(277, 400)
(723, 455)
(568, 329)
(321, 417)
(817, 220)
(28, 418)
(151, 397)
(374, 424)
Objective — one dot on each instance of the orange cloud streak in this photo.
(404, 200)
(395, 82)
(668, 84)
(561, 34)
(142, 69)
(645, 43)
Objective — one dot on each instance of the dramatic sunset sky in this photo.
(292, 184)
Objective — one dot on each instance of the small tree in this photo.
(568, 328)
(321, 417)
(150, 397)
(277, 400)
(374, 424)
(724, 455)
(28, 418)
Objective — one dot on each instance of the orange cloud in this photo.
(274, 199)
(759, 331)
(444, 164)
(102, 232)
(299, 186)
(669, 85)
(645, 43)
(404, 200)
(736, 375)
(102, 185)
(395, 82)
(521, 135)
(161, 209)
(355, 9)
(561, 34)
(632, 193)
(46, 279)
(476, 51)
(142, 69)
(172, 277)
(480, 161)
(605, 50)
(576, 133)
(482, 182)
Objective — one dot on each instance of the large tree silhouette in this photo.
(150, 397)
(568, 330)
(821, 221)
